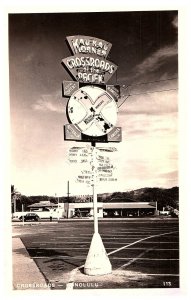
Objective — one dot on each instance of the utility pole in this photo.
(68, 193)
(68, 197)
(58, 207)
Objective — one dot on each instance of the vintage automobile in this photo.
(30, 217)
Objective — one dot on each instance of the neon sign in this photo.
(89, 64)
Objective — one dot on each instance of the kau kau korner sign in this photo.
(92, 115)
(89, 64)
(92, 106)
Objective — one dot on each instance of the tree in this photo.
(15, 196)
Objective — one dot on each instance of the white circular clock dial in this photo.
(92, 110)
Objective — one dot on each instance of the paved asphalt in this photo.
(143, 253)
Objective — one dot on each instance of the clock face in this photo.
(92, 110)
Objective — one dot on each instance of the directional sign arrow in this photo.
(108, 149)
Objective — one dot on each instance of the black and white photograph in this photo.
(94, 116)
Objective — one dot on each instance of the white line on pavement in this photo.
(135, 258)
(149, 237)
(110, 238)
(84, 248)
(69, 285)
(111, 258)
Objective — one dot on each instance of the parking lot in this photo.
(144, 253)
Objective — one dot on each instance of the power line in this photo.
(154, 92)
(173, 78)
(123, 101)
(145, 93)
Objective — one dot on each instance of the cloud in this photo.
(175, 22)
(169, 175)
(47, 104)
(160, 63)
(159, 103)
(147, 161)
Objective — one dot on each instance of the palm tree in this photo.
(15, 195)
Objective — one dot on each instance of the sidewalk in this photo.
(26, 274)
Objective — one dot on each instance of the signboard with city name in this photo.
(79, 155)
(90, 176)
(85, 155)
(96, 166)
(87, 179)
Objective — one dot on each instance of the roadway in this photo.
(144, 253)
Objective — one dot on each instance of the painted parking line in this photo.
(79, 242)
(113, 243)
(169, 242)
(125, 233)
(111, 258)
(84, 248)
(153, 274)
(135, 258)
(73, 272)
(110, 238)
(149, 237)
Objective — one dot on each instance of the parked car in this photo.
(30, 217)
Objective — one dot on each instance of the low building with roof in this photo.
(47, 209)
(110, 209)
(42, 206)
(129, 209)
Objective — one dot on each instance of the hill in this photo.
(164, 197)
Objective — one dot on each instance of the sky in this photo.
(145, 48)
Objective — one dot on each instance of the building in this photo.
(107, 209)
(82, 209)
(129, 209)
(46, 209)
(42, 206)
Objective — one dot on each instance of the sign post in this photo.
(94, 189)
(97, 261)
(92, 115)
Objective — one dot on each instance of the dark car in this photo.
(30, 217)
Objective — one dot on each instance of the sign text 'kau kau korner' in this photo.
(92, 106)
(89, 45)
(89, 64)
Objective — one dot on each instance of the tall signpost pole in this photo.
(92, 115)
(94, 187)
(97, 261)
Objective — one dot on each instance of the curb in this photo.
(90, 220)
(26, 274)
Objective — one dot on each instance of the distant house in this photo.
(42, 206)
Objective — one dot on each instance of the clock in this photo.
(93, 110)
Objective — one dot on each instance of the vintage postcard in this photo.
(94, 150)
